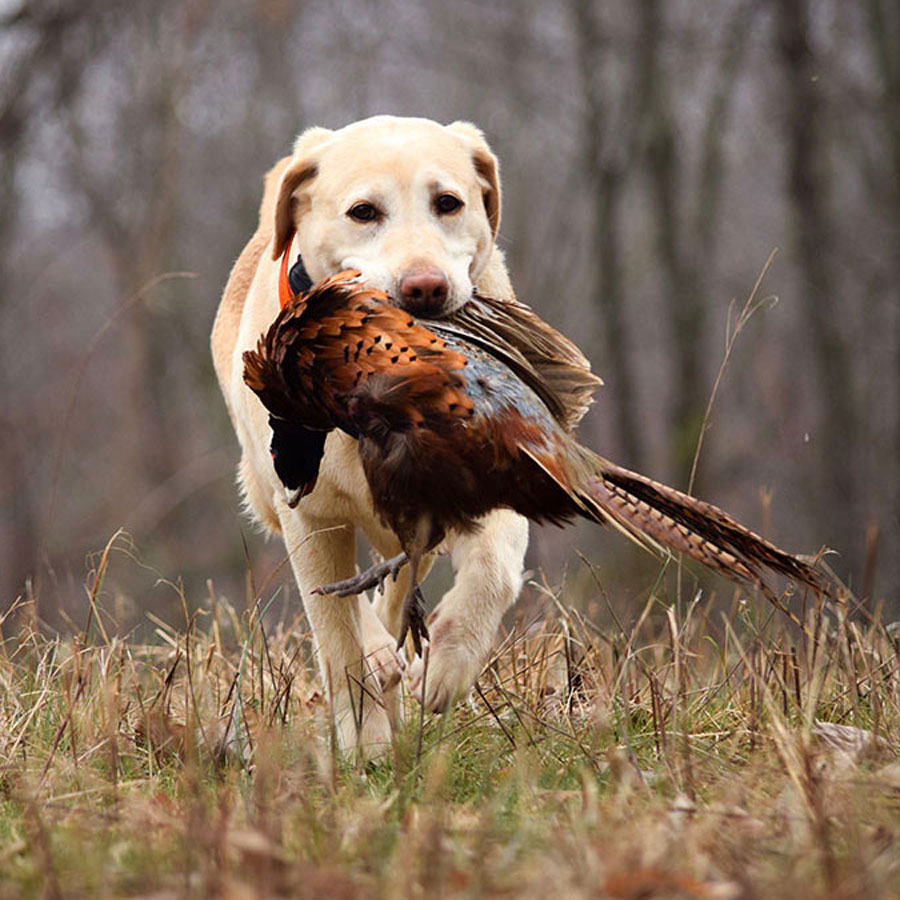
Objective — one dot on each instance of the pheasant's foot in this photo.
(374, 576)
(413, 620)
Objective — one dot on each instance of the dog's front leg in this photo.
(488, 567)
(321, 555)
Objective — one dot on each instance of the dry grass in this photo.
(690, 752)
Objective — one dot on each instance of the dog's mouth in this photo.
(429, 311)
(423, 289)
(294, 496)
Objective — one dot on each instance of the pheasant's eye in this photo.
(447, 204)
(364, 212)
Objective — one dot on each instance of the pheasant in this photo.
(457, 418)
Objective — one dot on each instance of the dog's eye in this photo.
(446, 204)
(363, 212)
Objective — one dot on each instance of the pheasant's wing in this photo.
(275, 370)
(544, 358)
(320, 350)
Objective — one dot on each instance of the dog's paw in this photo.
(385, 664)
(377, 731)
(362, 723)
(456, 657)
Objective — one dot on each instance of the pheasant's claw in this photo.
(413, 621)
(374, 576)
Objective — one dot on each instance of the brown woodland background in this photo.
(654, 153)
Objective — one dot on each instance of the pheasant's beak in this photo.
(294, 496)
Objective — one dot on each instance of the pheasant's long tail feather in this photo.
(655, 514)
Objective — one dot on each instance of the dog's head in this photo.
(414, 205)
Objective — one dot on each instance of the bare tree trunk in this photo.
(685, 305)
(140, 247)
(884, 35)
(605, 155)
(712, 171)
(48, 29)
(807, 193)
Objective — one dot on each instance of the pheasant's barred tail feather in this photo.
(658, 514)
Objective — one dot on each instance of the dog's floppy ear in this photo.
(302, 168)
(486, 166)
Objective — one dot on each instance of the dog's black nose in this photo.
(423, 290)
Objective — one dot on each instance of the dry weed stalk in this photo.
(709, 750)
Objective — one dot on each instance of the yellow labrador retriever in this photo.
(415, 206)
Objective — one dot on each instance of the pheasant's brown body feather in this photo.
(455, 419)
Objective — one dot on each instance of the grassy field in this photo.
(699, 749)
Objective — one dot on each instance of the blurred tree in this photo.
(40, 69)
(807, 192)
(647, 176)
(659, 143)
(883, 32)
(608, 150)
